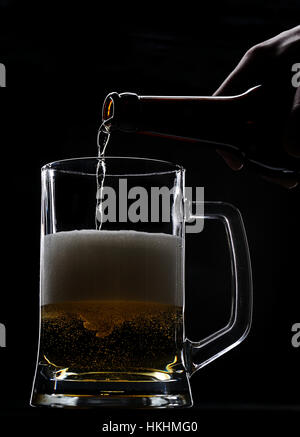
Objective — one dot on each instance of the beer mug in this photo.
(112, 298)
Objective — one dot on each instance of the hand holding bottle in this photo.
(273, 63)
(252, 119)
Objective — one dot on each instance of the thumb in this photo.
(246, 74)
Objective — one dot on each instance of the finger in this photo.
(292, 136)
(248, 73)
(260, 63)
(231, 160)
(286, 183)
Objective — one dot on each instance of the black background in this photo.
(61, 62)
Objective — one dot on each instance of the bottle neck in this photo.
(214, 120)
(191, 118)
(247, 124)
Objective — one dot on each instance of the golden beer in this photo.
(103, 337)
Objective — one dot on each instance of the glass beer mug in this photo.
(112, 296)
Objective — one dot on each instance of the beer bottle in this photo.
(248, 125)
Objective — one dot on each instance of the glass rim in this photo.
(169, 167)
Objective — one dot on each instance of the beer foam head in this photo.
(121, 265)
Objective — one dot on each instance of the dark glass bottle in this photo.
(249, 125)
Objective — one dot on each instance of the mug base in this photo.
(113, 391)
(111, 401)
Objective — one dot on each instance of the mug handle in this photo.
(200, 353)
